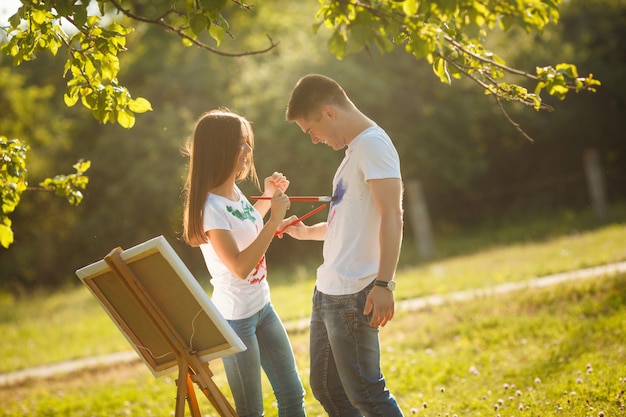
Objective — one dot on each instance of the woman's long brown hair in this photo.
(213, 150)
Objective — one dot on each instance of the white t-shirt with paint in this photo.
(352, 247)
(233, 297)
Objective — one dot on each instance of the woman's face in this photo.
(243, 158)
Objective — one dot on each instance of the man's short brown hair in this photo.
(311, 93)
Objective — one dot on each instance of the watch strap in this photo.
(390, 285)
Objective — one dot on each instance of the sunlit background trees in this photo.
(472, 163)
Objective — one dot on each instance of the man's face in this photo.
(321, 129)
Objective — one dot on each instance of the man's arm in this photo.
(300, 231)
(387, 195)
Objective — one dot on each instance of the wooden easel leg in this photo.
(213, 393)
(191, 397)
(182, 388)
(185, 392)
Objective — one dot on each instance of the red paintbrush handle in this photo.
(325, 199)
(298, 220)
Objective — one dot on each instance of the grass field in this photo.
(554, 351)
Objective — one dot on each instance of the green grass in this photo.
(558, 347)
(548, 352)
(71, 324)
(452, 359)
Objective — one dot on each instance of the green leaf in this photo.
(409, 7)
(80, 15)
(69, 186)
(337, 44)
(213, 5)
(82, 166)
(6, 234)
(38, 16)
(217, 33)
(440, 67)
(418, 46)
(316, 26)
(70, 100)
(126, 119)
(568, 70)
(198, 23)
(63, 7)
(139, 105)
(558, 89)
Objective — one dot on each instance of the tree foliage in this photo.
(12, 183)
(451, 36)
(181, 82)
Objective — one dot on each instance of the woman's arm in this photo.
(241, 262)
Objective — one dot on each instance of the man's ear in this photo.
(329, 111)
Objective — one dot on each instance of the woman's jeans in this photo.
(345, 359)
(267, 346)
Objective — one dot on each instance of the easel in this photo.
(190, 368)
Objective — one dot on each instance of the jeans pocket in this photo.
(344, 309)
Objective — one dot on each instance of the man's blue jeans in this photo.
(267, 346)
(345, 359)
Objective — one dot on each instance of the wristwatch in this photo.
(390, 285)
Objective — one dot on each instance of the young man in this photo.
(354, 289)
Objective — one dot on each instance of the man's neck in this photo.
(356, 122)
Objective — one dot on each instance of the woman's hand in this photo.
(277, 181)
(280, 205)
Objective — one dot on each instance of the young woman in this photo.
(233, 239)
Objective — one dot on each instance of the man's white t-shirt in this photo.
(352, 246)
(233, 297)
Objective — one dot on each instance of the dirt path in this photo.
(130, 359)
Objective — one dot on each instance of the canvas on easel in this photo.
(165, 315)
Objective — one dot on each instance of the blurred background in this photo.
(470, 165)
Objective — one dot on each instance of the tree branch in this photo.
(160, 21)
(495, 94)
(490, 61)
(511, 121)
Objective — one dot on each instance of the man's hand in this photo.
(381, 304)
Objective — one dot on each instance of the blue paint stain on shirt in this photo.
(340, 191)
